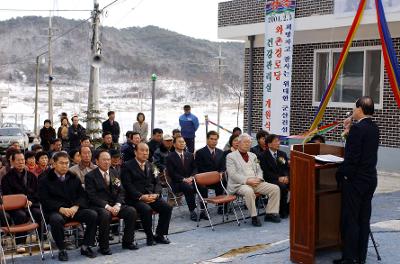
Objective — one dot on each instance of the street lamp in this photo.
(153, 99)
(37, 90)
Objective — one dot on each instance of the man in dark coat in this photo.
(128, 148)
(261, 146)
(75, 133)
(112, 126)
(180, 169)
(143, 192)
(104, 190)
(211, 158)
(47, 135)
(357, 177)
(274, 164)
(20, 181)
(155, 141)
(64, 199)
(108, 143)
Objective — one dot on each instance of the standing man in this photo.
(189, 125)
(112, 126)
(105, 196)
(357, 177)
(142, 190)
(75, 133)
(64, 200)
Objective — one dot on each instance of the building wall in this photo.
(240, 12)
(302, 110)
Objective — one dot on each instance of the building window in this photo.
(362, 74)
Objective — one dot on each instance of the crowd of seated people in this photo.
(73, 181)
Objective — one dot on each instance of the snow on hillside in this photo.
(126, 99)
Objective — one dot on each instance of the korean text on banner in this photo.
(279, 30)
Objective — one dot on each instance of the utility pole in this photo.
(37, 92)
(93, 109)
(153, 100)
(50, 69)
(220, 59)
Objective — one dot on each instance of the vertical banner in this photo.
(278, 51)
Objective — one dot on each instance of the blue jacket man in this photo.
(189, 124)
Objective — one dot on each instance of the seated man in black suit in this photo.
(143, 192)
(105, 196)
(64, 199)
(211, 158)
(274, 164)
(181, 168)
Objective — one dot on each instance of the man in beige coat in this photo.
(245, 178)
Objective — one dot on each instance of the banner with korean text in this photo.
(279, 30)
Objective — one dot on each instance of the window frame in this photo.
(331, 51)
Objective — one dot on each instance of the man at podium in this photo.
(357, 177)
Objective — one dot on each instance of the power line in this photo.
(44, 10)
(21, 61)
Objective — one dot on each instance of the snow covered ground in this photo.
(126, 99)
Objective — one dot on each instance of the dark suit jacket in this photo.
(27, 184)
(176, 170)
(205, 163)
(257, 150)
(99, 193)
(54, 194)
(272, 169)
(113, 129)
(137, 182)
(361, 154)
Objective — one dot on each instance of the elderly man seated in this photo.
(245, 178)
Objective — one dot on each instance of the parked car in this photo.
(11, 134)
(27, 131)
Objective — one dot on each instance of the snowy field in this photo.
(126, 100)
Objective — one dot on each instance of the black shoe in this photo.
(204, 216)
(345, 261)
(255, 221)
(283, 215)
(62, 255)
(150, 242)
(105, 251)
(131, 246)
(272, 218)
(160, 239)
(193, 216)
(111, 237)
(88, 252)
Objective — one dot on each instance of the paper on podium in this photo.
(329, 158)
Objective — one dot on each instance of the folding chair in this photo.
(72, 229)
(2, 256)
(15, 202)
(116, 221)
(210, 178)
(175, 196)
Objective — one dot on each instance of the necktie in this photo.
(276, 157)
(182, 159)
(106, 178)
(62, 178)
(142, 165)
(213, 155)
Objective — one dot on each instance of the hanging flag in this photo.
(389, 53)
(279, 31)
(343, 55)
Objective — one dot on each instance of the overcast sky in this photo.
(195, 18)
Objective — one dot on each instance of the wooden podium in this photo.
(315, 202)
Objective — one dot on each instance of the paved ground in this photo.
(246, 244)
